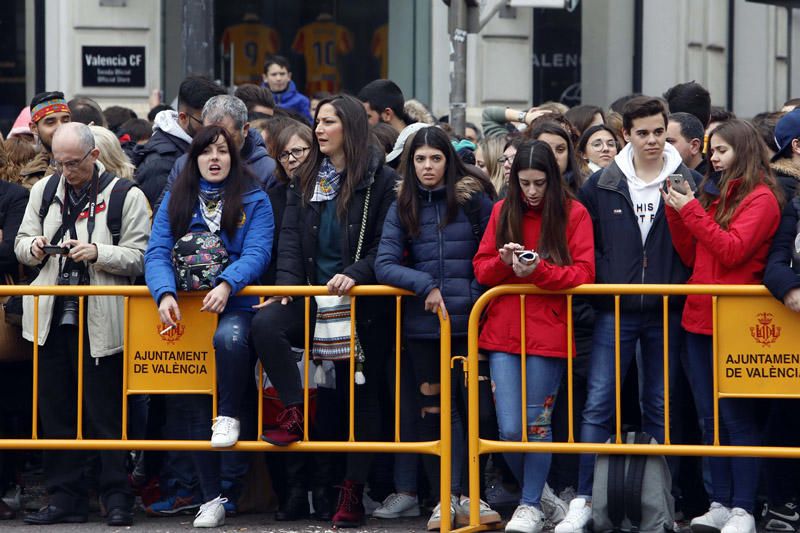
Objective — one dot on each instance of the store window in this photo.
(332, 46)
(557, 55)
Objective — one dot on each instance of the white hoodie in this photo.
(646, 197)
(167, 121)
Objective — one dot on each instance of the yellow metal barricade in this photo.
(745, 317)
(137, 380)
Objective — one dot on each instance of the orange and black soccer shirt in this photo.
(250, 44)
(321, 43)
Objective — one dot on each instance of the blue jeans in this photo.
(234, 363)
(734, 480)
(543, 379)
(599, 411)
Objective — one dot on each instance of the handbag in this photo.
(331, 340)
(198, 258)
(12, 346)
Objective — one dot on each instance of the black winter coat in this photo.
(300, 229)
(154, 161)
(437, 258)
(780, 277)
(13, 200)
(620, 256)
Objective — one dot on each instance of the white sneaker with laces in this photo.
(487, 514)
(577, 517)
(398, 505)
(435, 521)
(225, 432)
(211, 514)
(740, 522)
(526, 519)
(712, 521)
(553, 507)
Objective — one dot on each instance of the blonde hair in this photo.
(111, 154)
(492, 148)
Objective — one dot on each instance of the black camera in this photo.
(71, 275)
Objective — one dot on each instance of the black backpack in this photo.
(116, 201)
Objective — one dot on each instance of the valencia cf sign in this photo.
(113, 66)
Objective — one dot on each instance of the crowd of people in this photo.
(265, 186)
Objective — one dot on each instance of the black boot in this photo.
(295, 505)
(323, 503)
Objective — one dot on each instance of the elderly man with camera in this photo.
(70, 240)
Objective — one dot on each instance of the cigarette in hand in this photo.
(165, 330)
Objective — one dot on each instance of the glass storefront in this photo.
(12, 62)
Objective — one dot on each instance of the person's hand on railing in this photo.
(217, 298)
(284, 300)
(507, 252)
(792, 300)
(435, 301)
(168, 310)
(340, 284)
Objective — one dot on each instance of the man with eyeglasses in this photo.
(73, 245)
(49, 110)
(172, 135)
(230, 112)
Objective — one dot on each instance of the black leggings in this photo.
(276, 328)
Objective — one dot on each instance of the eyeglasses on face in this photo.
(71, 165)
(297, 153)
(599, 143)
(503, 158)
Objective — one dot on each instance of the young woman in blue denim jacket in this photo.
(427, 247)
(214, 192)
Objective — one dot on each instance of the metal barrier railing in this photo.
(478, 446)
(440, 447)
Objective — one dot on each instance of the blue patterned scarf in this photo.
(328, 181)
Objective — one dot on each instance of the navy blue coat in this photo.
(779, 277)
(620, 256)
(154, 161)
(254, 155)
(437, 258)
(249, 250)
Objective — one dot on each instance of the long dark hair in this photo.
(751, 165)
(186, 189)
(554, 128)
(355, 132)
(408, 199)
(552, 244)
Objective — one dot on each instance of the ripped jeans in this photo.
(543, 379)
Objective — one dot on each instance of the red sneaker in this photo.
(350, 509)
(289, 430)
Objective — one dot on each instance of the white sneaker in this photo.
(577, 517)
(211, 514)
(398, 505)
(740, 522)
(526, 519)
(435, 521)
(553, 507)
(225, 432)
(487, 514)
(713, 521)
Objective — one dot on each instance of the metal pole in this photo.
(457, 25)
(198, 34)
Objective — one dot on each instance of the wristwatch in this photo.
(521, 117)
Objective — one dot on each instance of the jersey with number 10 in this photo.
(251, 43)
(320, 43)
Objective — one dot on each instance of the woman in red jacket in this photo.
(538, 214)
(725, 235)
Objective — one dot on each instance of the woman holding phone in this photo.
(725, 236)
(539, 214)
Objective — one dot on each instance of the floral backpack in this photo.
(198, 258)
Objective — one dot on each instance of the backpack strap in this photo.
(116, 201)
(616, 490)
(633, 484)
(49, 194)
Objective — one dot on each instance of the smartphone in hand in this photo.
(52, 249)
